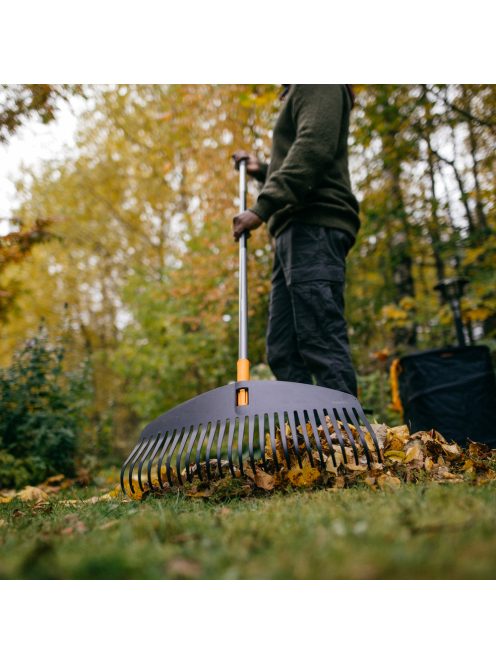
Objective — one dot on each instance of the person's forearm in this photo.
(318, 118)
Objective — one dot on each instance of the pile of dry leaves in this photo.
(424, 456)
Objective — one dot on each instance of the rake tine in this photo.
(282, 427)
(294, 434)
(133, 462)
(342, 417)
(198, 450)
(303, 424)
(273, 441)
(241, 432)
(338, 433)
(220, 440)
(192, 438)
(354, 421)
(360, 415)
(152, 442)
(313, 424)
(165, 441)
(170, 449)
(184, 439)
(321, 416)
(251, 432)
(211, 437)
(261, 439)
(123, 469)
(230, 436)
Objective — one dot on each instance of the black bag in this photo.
(452, 390)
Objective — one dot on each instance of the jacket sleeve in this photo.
(317, 112)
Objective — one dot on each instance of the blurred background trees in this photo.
(134, 257)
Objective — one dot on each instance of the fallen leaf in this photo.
(32, 494)
(108, 524)
(352, 467)
(305, 476)
(261, 479)
(478, 450)
(338, 458)
(429, 464)
(396, 437)
(413, 453)
(3, 523)
(388, 481)
(395, 455)
(55, 479)
(452, 451)
(380, 431)
(443, 473)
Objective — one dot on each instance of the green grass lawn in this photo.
(417, 532)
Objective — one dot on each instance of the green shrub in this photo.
(41, 413)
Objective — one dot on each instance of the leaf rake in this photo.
(228, 428)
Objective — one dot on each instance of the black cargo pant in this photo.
(307, 335)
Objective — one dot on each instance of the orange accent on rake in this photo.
(243, 373)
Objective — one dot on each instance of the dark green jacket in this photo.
(308, 179)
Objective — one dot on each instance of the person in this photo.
(309, 207)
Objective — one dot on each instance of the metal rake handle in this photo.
(243, 365)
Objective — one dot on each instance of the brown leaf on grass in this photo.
(55, 479)
(32, 494)
(3, 523)
(443, 473)
(197, 492)
(109, 496)
(261, 479)
(108, 524)
(488, 476)
(429, 464)
(42, 507)
(370, 480)
(7, 496)
(388, 481)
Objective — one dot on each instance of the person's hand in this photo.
(245, 222)
(252, 163)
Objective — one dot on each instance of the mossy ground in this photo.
(431, 531)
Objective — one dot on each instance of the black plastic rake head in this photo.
(210, 433)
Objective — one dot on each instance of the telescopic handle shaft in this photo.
(243, 282)
(243, 365)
